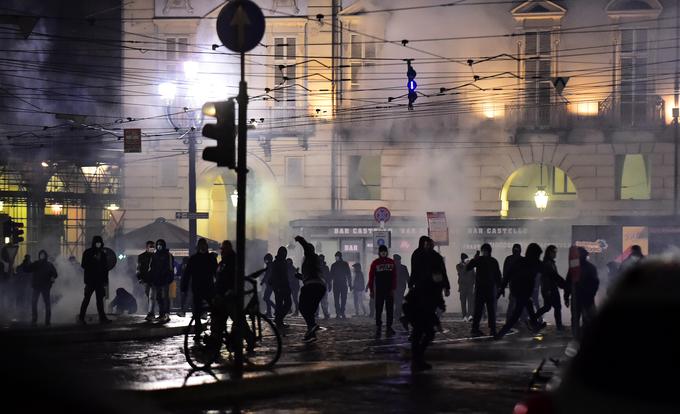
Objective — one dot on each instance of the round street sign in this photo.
(240, 25)
(382, 214)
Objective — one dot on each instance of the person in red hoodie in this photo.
(382, 282)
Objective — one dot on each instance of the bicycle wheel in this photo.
(200, 347)
(265, 351)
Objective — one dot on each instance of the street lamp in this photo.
(541, 196)
(56, 208)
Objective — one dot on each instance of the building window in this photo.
(168, 172)
(561, 183)
(295, 174)
(284, 71)
(633, 76)
(537, 71)
(364, 177)
(362, 55)
(175, 54)
(633, 174)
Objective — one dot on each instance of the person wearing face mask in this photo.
(44, 275)
(96, 275)
(466, 287)
(144, 277)
(382, 282)
(341, 280)
(200, 275)
(162, 274)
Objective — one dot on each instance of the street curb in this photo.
(94, 334)
(496, 351)
(267, 384)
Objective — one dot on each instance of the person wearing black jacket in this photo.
(200, 274)
(44, 275)
(551, 281)
(487, 281)
(508, 264)
(294, 283)
(266, 281)
(162, 273)
(522, 278)
(581, 288)
(402, 282)
(281, 286)
(96, 277)
(326, 277)
(312, 290)
(341, 280)
(421, 302)
(144, 278)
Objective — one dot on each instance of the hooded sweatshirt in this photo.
(43, 271)
(95, 263)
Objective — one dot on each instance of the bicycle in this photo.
(262, 341)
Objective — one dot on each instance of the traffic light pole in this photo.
(241, 174)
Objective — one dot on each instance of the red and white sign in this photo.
(437, 228)
(382, 214)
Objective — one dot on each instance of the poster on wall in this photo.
(437, 228)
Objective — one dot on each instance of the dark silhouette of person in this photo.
(184, 286)
(402, 283)
(200, 275)
(162, 272)
(581, 287)
(487, 281)
(633, 258)
(341, 279)
(123, 302)
(312, 290)
(144, 277)
(466, 287)
(508, 263)
(421, 302)
(522, 277)
(382, 282)
(96, 277)
(551, 282)
(281, 286)
(266, 281)
(358, 286)
(294, 283)
(44, 275)
(326, 277)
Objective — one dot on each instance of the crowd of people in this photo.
(415, 298)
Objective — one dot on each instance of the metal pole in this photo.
(241, 171)
(192, 191)
(334, 88)
(675, 109)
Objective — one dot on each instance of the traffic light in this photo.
(411, 84)
(16, 232)
(224, 131)
(6, 231)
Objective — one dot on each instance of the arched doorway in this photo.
(519, 191)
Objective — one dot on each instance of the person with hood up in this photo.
(162, 272)
(96, 275)
(294, 283)
(551, 282)
(341, 279)
(487, 281)
(200, 275)
(402, 282)
(44, 275)
(466, 287)
(382, 282)
(313, 288)
(358, 287)
(281, 286)
(508, 264)
(123, 302)
(581, 287)
(326, 277)
(522, 277)
(144, 278)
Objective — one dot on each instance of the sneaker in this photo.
(389, 331)
(149, 317)
(476, 333)
(81, 321)
(310, 337)
(316, 327)
(166, 319)
(540, 326)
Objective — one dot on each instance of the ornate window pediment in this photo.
(534, 9)
(633, 8)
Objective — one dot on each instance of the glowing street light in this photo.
(541, 198)
(44, 164)
(112, 207)
(191, 70)
(56, 208)
(234, 198)
(167, 90)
